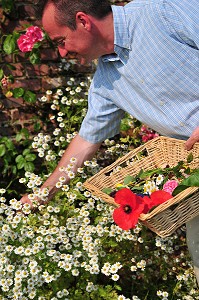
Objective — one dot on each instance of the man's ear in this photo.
(83, 19)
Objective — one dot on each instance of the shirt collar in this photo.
(121, 36)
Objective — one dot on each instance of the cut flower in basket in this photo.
(132, 205)
(139, 194)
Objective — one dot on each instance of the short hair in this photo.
(66, 10)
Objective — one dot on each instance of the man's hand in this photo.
(25, 199)
(79, 149)
(193, 139)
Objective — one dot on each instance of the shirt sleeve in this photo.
(103, 117)
(183, 19)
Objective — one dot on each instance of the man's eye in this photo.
(60, 43)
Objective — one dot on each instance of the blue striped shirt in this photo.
(153, 74)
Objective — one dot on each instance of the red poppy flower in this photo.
(131, 206)
(156, 198)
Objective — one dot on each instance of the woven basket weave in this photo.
(156, 153)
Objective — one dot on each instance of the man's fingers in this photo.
(194, 138)
(189, 143)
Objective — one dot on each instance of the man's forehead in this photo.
(48, 17)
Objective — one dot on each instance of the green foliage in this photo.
(9, 47)
(25, 161)
(7, 5)
(13, 162)
(18, 92)
(30, 97)
(7, 155)
(9, 44)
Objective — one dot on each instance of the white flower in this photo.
(115, 277)
(43, 99)
(75, 272)
(159, 179)
(159, 293)
(58, 184)
(49, 92)
(165, 294)
(133, 268)
(62, 179)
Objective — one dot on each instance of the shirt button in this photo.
(182, 124)
(161, 103)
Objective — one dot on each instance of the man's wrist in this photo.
(50, 191)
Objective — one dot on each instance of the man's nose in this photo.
(62, 52)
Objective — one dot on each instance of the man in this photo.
(148, 65)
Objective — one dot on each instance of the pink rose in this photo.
(35, 34)
(26, 41)
(169, 186)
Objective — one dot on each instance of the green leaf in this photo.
(30, 97)
(137, 188)
(8, 143)
(37, 126)
(30, 157)
(34, 57)
(149, 173)
(7, 5)
(107, 191)
(14, 170)
(192, 180)
(18, 92)
(2, 149)
(179, 189)
(21, 164)
(19, 158)
(37, 45)
(125, 140)
(29, 167)
(23, 134)
(1, 74)
(190, 157)
(9, 44)
(26, 152)
(128, 179)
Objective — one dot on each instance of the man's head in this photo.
(80, 28)
(66, 10)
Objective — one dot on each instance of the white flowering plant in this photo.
(70, 248)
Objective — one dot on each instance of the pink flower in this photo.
(170, 186)
(35, 34)
(26, 41)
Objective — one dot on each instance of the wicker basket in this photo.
(159, 152)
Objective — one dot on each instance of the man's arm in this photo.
(193, 139)
(80, 149)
